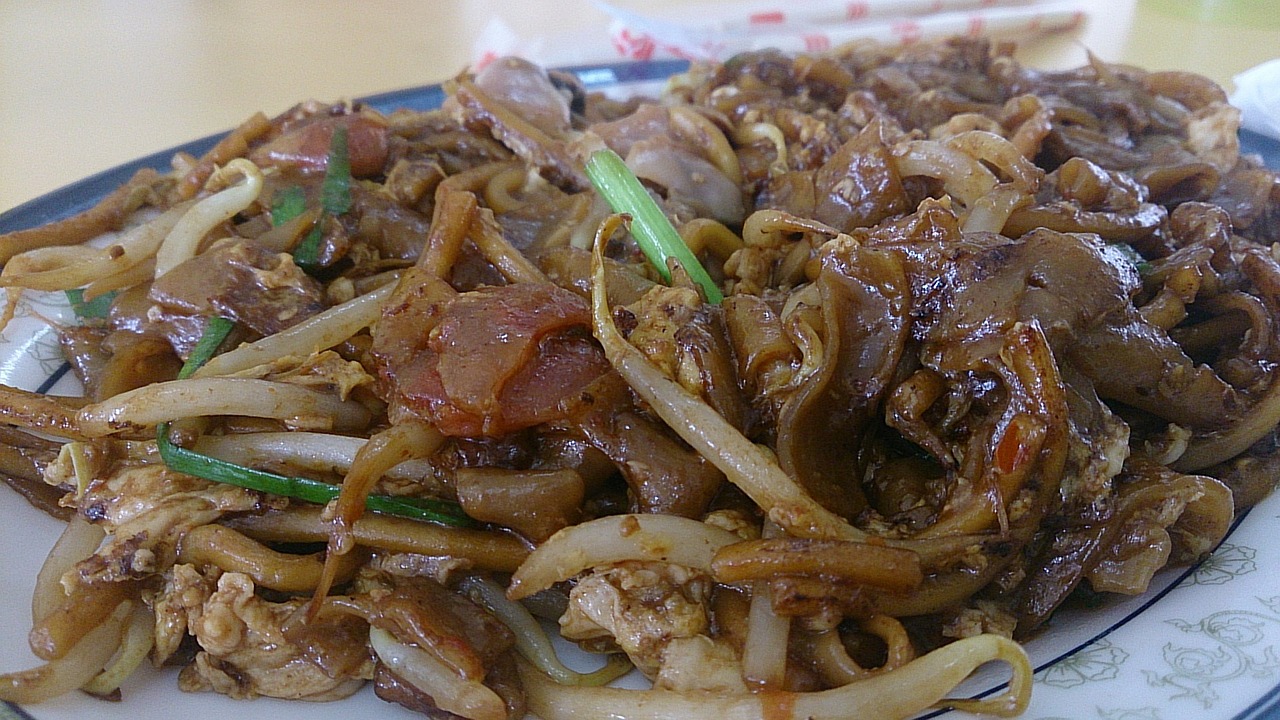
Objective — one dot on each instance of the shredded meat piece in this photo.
(322, 370)
(700, 663)
(146, 510)
(439, 568)
(245, 652)
(1213, 134)
(684, 337)
(537, 135)
(640, 606)
(984, 617)
(444, 622)
(502, 679)
(242, 280)
(185, 592)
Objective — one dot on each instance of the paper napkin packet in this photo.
(1257, 95)
(715, 31)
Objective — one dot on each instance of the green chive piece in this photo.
(653, 232)
(335, 199)
(288, 204)
(314, 491)
(216, 330)
(187, 461)
(307, 254)
(335, 192)
(1139, 263)
(96, 309)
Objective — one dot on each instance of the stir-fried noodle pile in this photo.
(934, 345)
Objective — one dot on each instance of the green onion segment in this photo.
(210, 468)
(216, 330)
(335, 198)
(288, 204)
(653, 232)
(335, 191)
(96, 309)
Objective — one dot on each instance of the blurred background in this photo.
(88, 84)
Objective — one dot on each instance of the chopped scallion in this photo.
(95, 309)
(204, 466)
(335, 199)
(216, 330)
(210, 468)
(307, 254)
(288, 204)
(1139, 263)
(653, 232)
(335, 192)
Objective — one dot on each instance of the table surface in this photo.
(87, 85)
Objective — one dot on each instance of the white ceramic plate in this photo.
(1202, 643)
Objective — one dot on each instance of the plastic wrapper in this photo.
(1258, 97)
(714, 31)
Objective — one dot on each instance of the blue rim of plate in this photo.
(81, 195)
